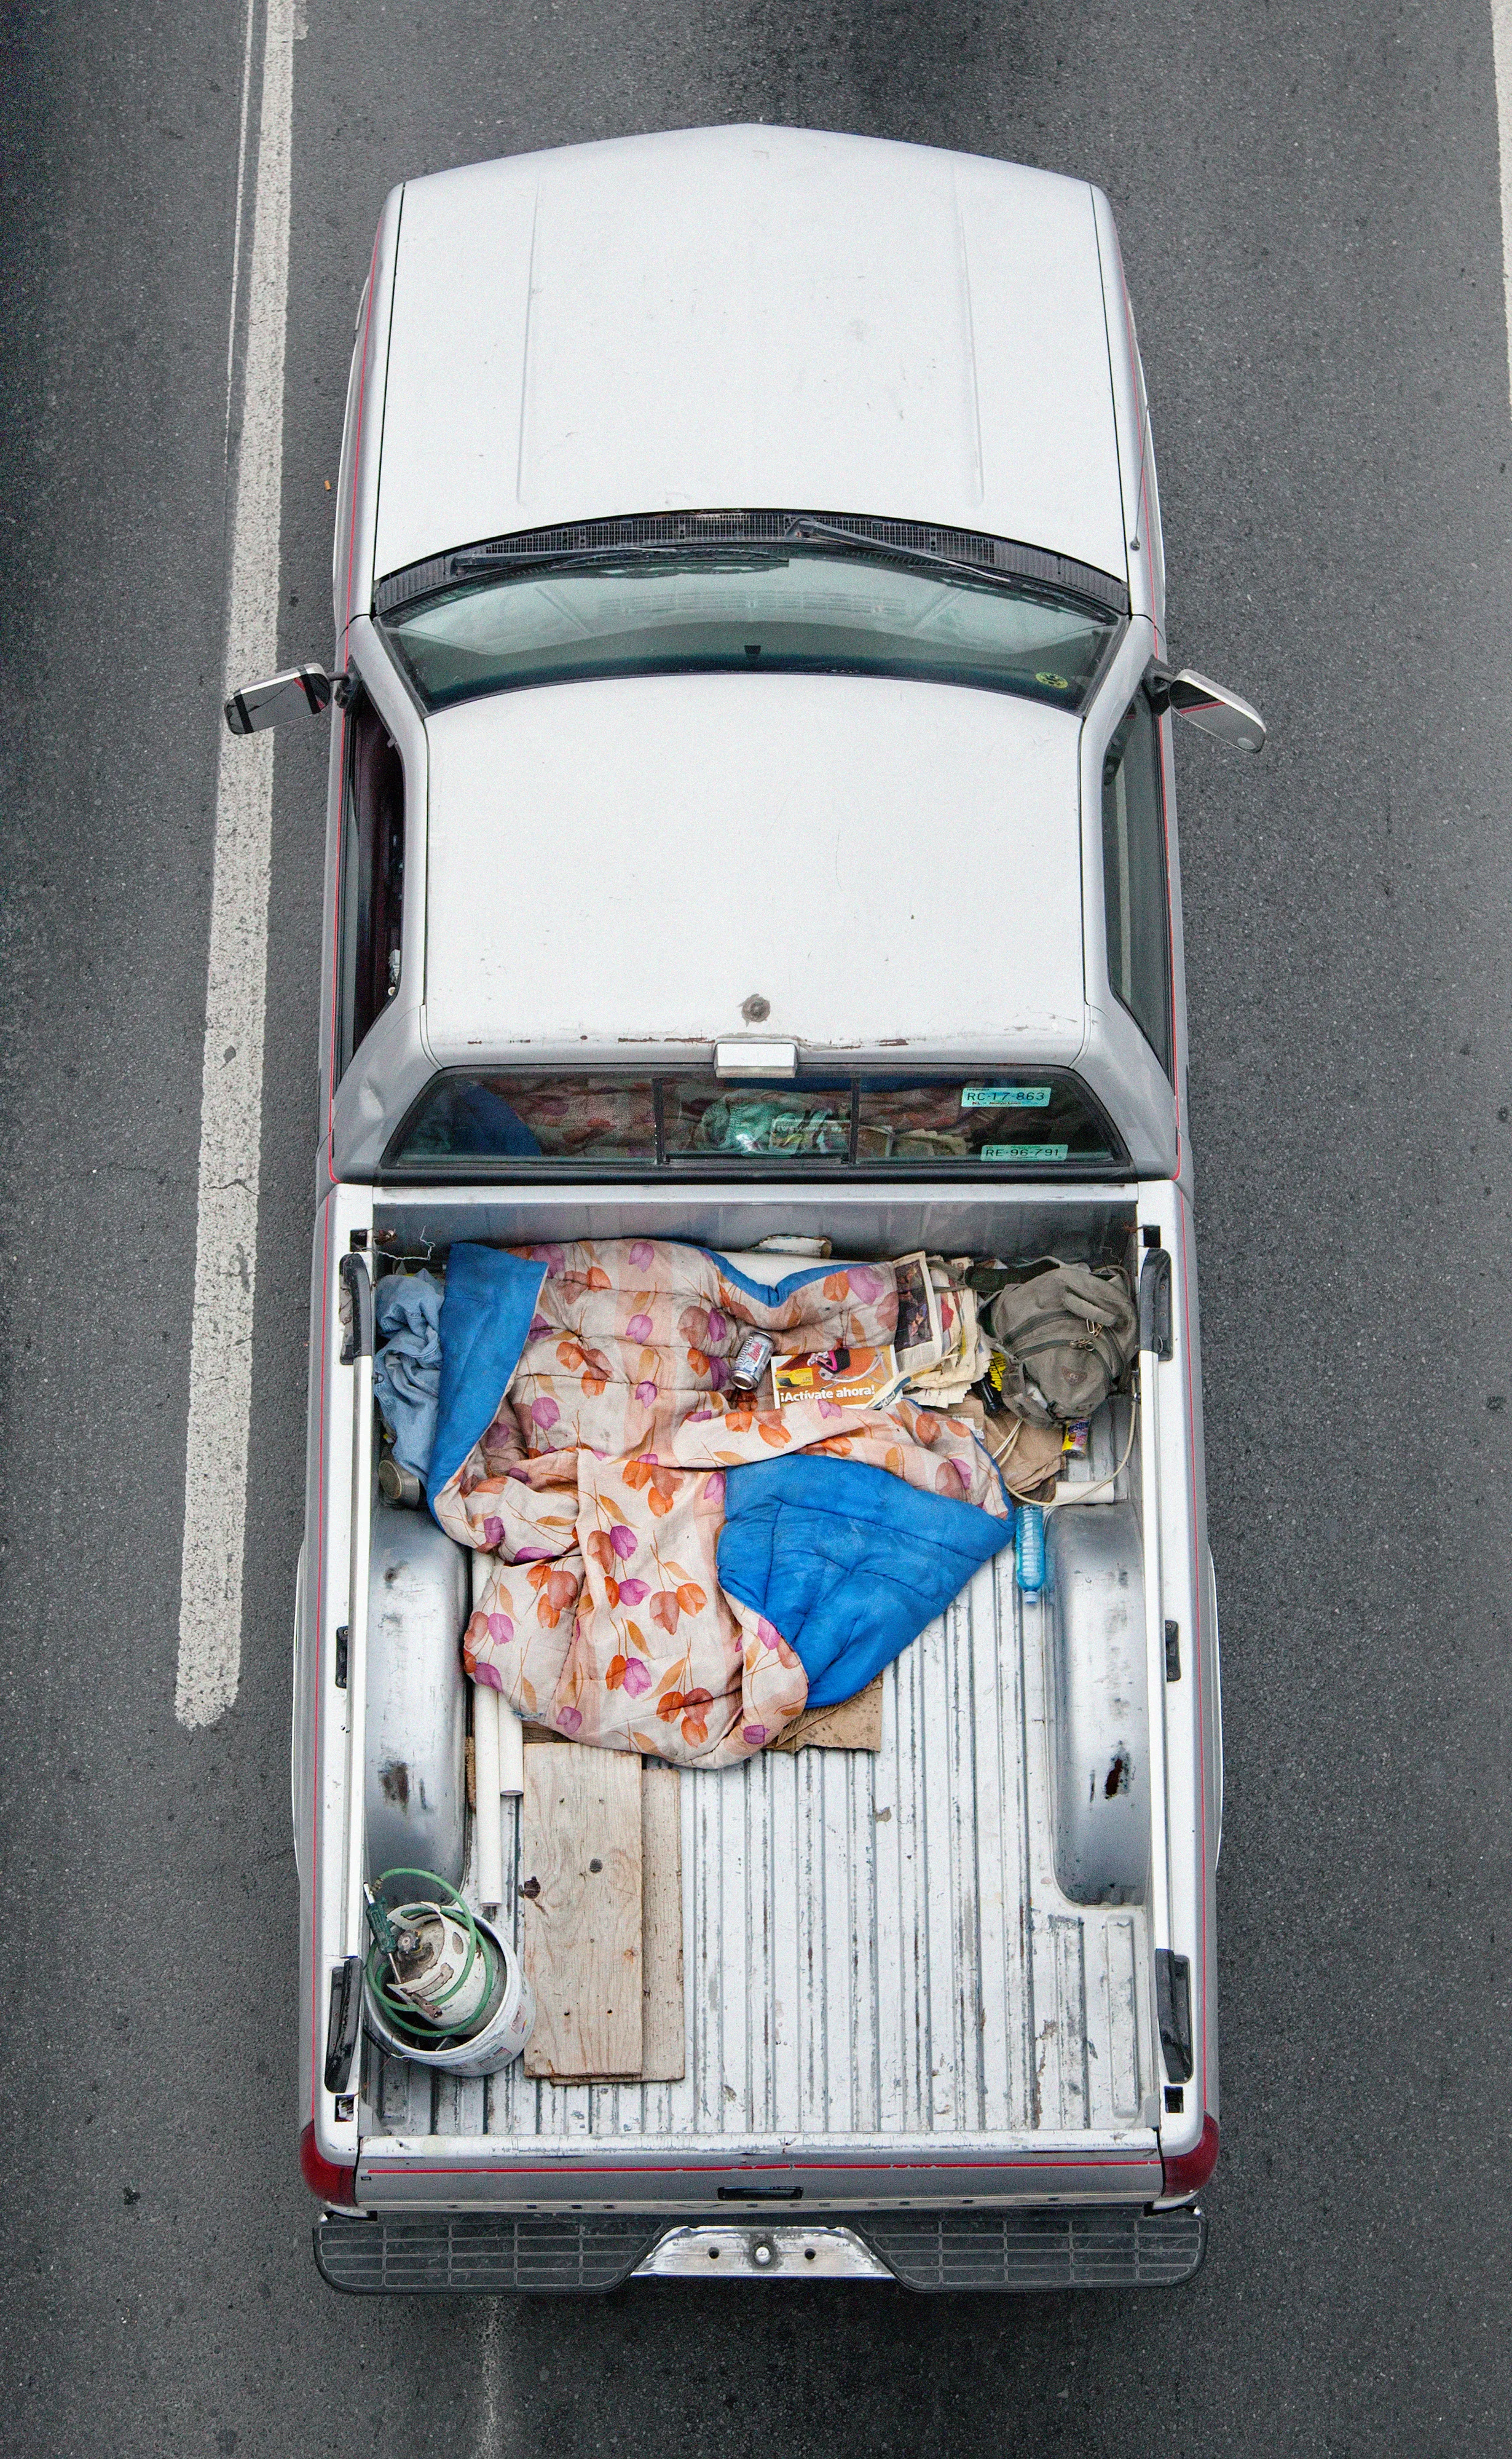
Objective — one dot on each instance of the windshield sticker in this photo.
(1023, 1153)
(1005, 1097)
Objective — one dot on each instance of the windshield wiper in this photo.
(729, 555)
(804, 525)
(646, 540)
(555, 558)
(808, 525)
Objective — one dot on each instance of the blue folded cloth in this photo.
(847, 1562)
(406, 1369)
(490, 1306)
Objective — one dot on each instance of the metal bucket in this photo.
(502, 2036)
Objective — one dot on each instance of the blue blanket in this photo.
(848, 1562)
(490, 1300)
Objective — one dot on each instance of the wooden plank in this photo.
(663, 2046)
(580, 1920)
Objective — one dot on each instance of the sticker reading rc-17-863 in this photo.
(1023, 1153)
(1005, 1097)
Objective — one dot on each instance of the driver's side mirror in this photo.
(1207, 706)
(301, 691)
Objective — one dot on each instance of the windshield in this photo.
(793, 607)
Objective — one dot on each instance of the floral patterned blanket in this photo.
(597, 1490)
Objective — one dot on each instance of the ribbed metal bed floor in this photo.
(876, 1949)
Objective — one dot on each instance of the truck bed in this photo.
(888, 2000)
(876, 1951)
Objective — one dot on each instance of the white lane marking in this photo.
(236, 240)
(231, 1101)
(498, 2418)
(1502, 53)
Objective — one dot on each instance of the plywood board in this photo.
(663, 2032)
(581, 1910)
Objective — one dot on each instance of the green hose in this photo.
(402, 2011)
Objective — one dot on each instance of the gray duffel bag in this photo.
(1067, 1335)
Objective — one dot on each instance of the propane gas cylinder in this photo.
(441, 1973)
(409, 2000)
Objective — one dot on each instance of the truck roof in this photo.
(754, 317)
(620, 865)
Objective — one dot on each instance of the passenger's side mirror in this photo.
(302, 691)
(1222, 714)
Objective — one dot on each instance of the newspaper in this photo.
(964, 1352)
(918, 1338)
(855, 1378)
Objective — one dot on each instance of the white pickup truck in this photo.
(750, 676)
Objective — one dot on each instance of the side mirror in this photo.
(302, 691)
(1207, 706)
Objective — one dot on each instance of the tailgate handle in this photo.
(1155, 1303)
(1173, 2012)
(357, 1310)
(345, 2023)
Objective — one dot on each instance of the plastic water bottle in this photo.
(1029, 1547)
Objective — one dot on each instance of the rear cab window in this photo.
(1033, 1123)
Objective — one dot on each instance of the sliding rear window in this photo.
(706, 1119)
(1015, 1122)
(530, 1118)
(510, 1121)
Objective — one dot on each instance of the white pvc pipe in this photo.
(488, 1821)
(511, 1749)
(511, 1732)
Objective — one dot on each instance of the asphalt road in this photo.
(1308, 203)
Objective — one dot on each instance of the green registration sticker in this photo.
(1005, 1097)
(1023, 1153)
